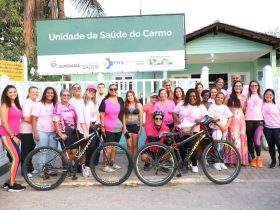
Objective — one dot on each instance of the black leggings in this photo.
(183, 150)
(253, 143)
(272, 136)
(27, 145)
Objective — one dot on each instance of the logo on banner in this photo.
(108, 63)
(160, 61)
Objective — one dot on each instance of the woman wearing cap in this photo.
(132, 122)
(166, 106)
(148, 108)
(88, 116)
(111, 118)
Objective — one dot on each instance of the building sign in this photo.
(14, 70)
(111, 44)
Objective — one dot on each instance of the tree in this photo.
(11, 34)
(51, 9)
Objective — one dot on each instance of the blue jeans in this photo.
(46, 139)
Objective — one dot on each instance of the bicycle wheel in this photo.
(108, 170)
(155, 164)
(50, 168)
(221, 162)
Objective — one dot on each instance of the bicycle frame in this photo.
(198, 137)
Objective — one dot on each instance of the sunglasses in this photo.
(66, 95)
(158, 118)
(76, 88)
(113, 89)
(91, 90)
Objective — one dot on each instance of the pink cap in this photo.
(91, 86)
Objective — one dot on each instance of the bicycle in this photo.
(51, 166)
(156, 163)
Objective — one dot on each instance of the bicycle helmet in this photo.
(158, 113)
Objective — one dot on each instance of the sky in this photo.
(256, 15)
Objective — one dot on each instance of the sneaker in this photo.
(108, 169)
(272, 164)
(194, 169)
(254, 162)
(115, 166)
(147, 167)
(259, 163)
(217, 166)
(88, 171)
(5, 186)
(84, 171)
(16, 188)
(223, 166)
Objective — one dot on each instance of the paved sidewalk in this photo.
(247, 174)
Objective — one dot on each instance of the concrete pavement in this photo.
(247, 174)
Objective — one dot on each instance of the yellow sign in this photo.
(14, 70)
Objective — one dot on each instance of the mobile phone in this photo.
(127, 136)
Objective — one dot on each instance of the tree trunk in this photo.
(60, 6)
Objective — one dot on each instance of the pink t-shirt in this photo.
(26, 127)
(271, 115)
(224, 91)
(221, 112)
(167, 110)
(148, 109)
(14, 116)
(211, 101)
(254, 108)
(191, 114)
(65, 115)
(44, 112)
(76, 103)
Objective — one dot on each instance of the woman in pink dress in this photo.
(237, 129)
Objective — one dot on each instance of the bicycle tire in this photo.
(123, 159)
(221, 152)
(50, 167)
(160, 165)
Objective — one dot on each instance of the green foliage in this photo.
(12, 45)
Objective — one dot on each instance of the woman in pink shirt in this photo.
(88, 116)
(254, 123)
(166, 106)
(42, 119)
(64, 118)
(26, 132)
(11, 114)
(179, 95)
(219, 84)
(271, 115)
(189, 115)
(149, 107)
(213, 93)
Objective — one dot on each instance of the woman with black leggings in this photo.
(271, 113)
(254, 123)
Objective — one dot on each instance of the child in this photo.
(220, 111)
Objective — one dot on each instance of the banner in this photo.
(111, 44)
(14, 70)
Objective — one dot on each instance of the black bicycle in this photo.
(156, 163)
(51, 166)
